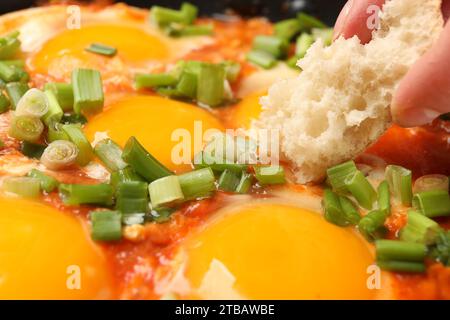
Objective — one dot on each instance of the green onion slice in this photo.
(338, 174)
(308, 22)
(400, 183)
(384, 197)
(262, 59)
(22, 186)
(54, 113)
(197, 184)
(77, 194)
(228, 181)
(63, 93)
(15, 91)
(4, 103)
(132, 197)
(419, 228)
(332, 208)
(47, 183)
(210, 88)
(431, 182)
(143, 162)
(276, 47)
(106, 225)
(102, 49)
(165, 191)
(76, 135)
(396, 250)
(87, 91)
(245, 183)
(371, 226)
(433, 204)
(268, 175)
(32, 150)
(33, 103)
(287, 29)
(361, 189)
(26, 128)
(110, 154)
(154, 80)
(304, 42)
(59, 154)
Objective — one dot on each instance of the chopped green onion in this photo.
(232, 70)
(433, 204)
(402, 266)
(4, 103)
(161, 215)
(143, 162)
(165, 191)
(169, 92)
(124, 175)
(189, 12)
(400, 251)
(165, 16)
(9, 45)
(210, 88)
(87, 91)
(308, 22)
(287, 29)
(441, 250)
(371, 226)
(228, 181)
(32, 150)
(303, 43)
(9, 73)
(47, 183)
(292, 62)
(332, 208)
(54, 113)
(77, 194)
(187, 86)
(400, 183)
(22, 186)
(131, 219)
(33, 103)
(431, 182)
(205, 159)
(262, 59)
(63, 93)
(267, 175)
(190, 31)
(132, 197)
(73, 118)
(26, 128)
(60, 154)
(106, 225)
(15, 63)
(276, 47)
(384, 197)
(326, 35)
(197, 184)
(338, 174)
(419, 229)
(15, 91)
(350, 210)
(102, 49)
(245, 183)
(55, 132)
(110, 154)
(154, 80)
(361, 189)
(76, 135)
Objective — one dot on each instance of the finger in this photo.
(424, 93)
(354, 18)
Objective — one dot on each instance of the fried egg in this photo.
(153, 121)
(48, 254)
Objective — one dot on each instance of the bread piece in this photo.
(339, 104)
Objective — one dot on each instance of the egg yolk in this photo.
(245, 111)
(46, 254)
(271, 251)
(66, 50)
(153, 121)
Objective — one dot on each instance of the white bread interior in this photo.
(339, 104)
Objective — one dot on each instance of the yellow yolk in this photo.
(153, 120)
(67, 49)
(270, 251)
(47, 254)
(246, 110)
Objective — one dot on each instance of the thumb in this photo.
(424, 93)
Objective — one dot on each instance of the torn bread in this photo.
(339, 104)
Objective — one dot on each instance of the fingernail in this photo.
(342, 19)
(415, 117)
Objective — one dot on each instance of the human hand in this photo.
(424, 93)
